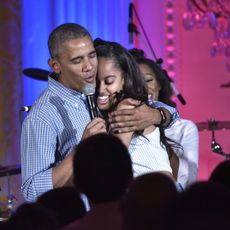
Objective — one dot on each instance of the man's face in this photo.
(76, 63)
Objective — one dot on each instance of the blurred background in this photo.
(191, 37)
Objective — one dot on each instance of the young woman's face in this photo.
(110, 81)
(150, 78)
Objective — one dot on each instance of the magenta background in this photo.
(198, 76)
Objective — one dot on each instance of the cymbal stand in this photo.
(10, 198)
(216, 148)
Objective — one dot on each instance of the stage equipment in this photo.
(36, 73)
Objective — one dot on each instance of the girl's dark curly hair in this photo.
(162, 79)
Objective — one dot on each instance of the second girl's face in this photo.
(150, 78)
(110, 81)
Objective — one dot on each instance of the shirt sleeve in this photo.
(191, 150)
(38, 146)
(173, 111)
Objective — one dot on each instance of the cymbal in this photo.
(36, 73)
(218, 125)
(10, 170)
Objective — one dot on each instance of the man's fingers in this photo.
(121, 112)
(122, 130)
(97, 125)
(96, 121)
(132, 101)
(123, 117)
(122, 124)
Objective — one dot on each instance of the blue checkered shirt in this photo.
(53, 126)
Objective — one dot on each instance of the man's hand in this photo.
(137, 118)
(97, 125)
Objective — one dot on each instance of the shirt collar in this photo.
(65, 93)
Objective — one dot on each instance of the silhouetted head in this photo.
(147, 197)
(204, 205)
(65, 203)
(102, 168)
(221, 174)
(32, 216)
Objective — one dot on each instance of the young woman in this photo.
(118, 78)
(183, 131)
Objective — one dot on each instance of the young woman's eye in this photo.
(149, 80)
(109, 82)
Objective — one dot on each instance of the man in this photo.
(59, 118)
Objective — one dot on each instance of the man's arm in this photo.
(62, 173)
(141, 117)
(38, 147)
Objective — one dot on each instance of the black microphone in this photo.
(89, 91)
(130, 25)
(177, 93)
(26, 108)
(174, 88)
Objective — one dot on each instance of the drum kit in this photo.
(6, 205)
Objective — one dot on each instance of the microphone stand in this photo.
(216, 148)
(133, 28)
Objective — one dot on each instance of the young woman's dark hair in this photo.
(134, 86)
(165, 92)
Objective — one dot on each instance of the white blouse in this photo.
(148, 155)
(185, 133)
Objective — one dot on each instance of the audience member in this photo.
(102, 171)
(147, 197)
(32, 216)
(65, 203)
(221, 174)
(203, 205)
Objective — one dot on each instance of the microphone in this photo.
(174, 88)
(177, 93)
(89, 91)
(26, 108)
(130, 25)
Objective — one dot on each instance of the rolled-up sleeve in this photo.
(173, 111)
(38, 146)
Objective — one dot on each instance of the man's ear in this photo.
(54, 65)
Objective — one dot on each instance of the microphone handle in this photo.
(176, 92)
(92, 106)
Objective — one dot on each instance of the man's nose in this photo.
(87, 65)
